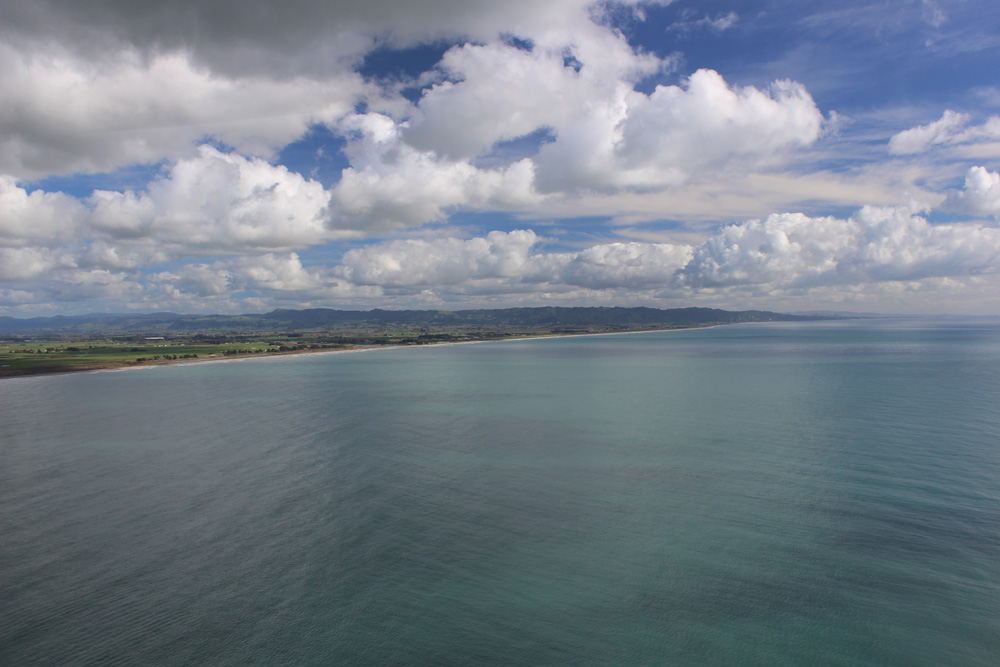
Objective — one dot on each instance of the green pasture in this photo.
(37, 354)
(24, 356)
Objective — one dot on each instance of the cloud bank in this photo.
(546, 118)
(783, 254)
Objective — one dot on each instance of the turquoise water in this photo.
(777, 494)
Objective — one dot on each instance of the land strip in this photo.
(67, 344)
(27, 355)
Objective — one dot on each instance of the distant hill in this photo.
(328, 319)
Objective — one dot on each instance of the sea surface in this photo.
(767, 494)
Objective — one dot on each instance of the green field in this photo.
(28, 356)
(52, 355)
(86, 342)
(36, 355)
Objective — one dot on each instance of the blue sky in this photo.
(223, 156)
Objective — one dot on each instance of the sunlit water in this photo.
(780, 494)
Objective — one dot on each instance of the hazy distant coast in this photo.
(97, 342)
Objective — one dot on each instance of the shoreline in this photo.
(106, 367)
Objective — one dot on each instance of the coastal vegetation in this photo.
(91, 342)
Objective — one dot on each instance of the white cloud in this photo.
(608, 136)
(283, 273)
(709, 121)
(877, 244)
(877, 251)
(37, 218)
(952, 128)
(17, 264)
(981, 194)
(63, 116)
(213, 203)
(440, 262)
(198, 279)
(92, 285)
(121, 255)
(269, 273)
(98, 85)
(720, 23)
(502, 263)
(391, 185)
(789, 246)
(138, 104)
(787, 251)
(218, 202)
(634, 141)
(920, 138)
(723, 22)
(92, 87)
(292, 36)
(613, 266)
(497, 92)
(44, 279)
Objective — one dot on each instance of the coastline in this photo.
(104, 367)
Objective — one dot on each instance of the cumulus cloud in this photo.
(786, 251)
(391, 185)
(440, 262)
(877, 244)
(41, 279)
(290, 37)
(199, 279)
(63, 116)
(629, 265)
(97, 85)
(952, 128)
(218, 202)
(497, 92)
(92, 285)
(17, 264)
(87, 107)
(981, 194)
(93, 86)
(283, 273)
(782, 248)
(132, 254)
(607, 135)
(210, 204)
(268, 273)
(36, 218)
(632, 140)
(505, 263)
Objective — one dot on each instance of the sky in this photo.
(223, 156)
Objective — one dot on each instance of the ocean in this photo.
(822, 493)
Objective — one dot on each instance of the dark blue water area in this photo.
(772, 494)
